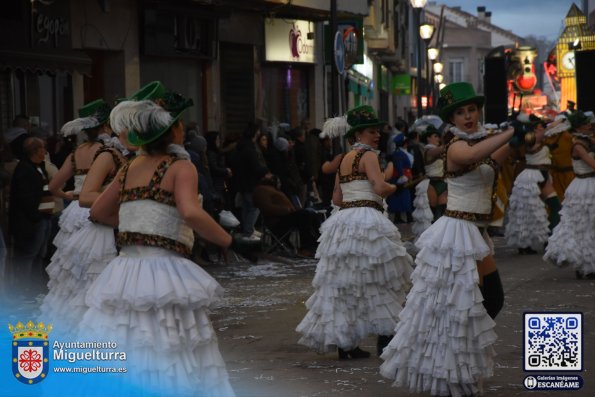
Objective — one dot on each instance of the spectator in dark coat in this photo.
(298, 136)
(400, 201)
(248, 171)
(31, 206)
(220, 173)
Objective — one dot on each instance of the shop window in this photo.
(285, 94)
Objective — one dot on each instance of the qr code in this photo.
(553, 341)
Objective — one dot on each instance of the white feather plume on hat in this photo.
(558, 126)
(75, 126)
(121, 117)
(335, 127)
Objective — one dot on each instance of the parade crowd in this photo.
(118, 212)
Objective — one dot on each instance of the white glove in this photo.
(402, 179)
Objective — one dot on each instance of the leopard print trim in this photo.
(471, 216)
(468, 168)
(468, 216)
(152, 240)
(118, 162)
(355, 174)
(77, 171)
(152, 191)
(362, 203)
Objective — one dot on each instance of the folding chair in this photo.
(285, 244)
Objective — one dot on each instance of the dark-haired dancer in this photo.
(363, 269)
(443, 343)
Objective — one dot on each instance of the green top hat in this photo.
(175, 104)
(455, 95)
(98, 109)
(153, 91)
(360, 118)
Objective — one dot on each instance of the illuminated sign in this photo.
(289, 40)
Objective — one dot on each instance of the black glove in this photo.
(520, 130)
(246, 248)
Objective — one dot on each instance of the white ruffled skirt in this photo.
(422, 213)
(527, 220)
(361, 280)
(71, 220)
(72, 270)
(155, 304)
(573, 239)
(443, 340)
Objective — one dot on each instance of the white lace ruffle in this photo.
(157, 305)
(443, 340)
(527, 220)
(72, 219)
(422, 214)
(572, 239)
(360, 283)
(72, 270)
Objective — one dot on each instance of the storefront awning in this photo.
(46, 61)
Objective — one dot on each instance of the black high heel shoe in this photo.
(353, 353)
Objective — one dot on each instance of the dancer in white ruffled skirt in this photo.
(443, 343)
(572, 241)
(430, 193)
(86, 253)
(527, 227)
(90, 124)
(150, 299)
(363, 270)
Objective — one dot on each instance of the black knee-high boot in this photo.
(493, 294)
(382, 342)
(554, 206)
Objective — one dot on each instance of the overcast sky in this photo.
(523, 17)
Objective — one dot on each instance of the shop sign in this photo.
(401, 84)
(289, 40)
(50, 24)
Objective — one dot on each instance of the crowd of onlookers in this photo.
(267, 177)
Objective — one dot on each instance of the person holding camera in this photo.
(527, 227)
(443, 343)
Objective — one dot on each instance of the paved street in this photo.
(265, 301)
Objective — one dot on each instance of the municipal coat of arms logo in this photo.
(30, 351)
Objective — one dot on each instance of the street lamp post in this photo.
(426, 31)
(433, 53)
(417, 7)
(437, 69)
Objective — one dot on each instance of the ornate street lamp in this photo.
(438, 67)
(417, 6)
(438, 78)
(426, 31)
(433, 53)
